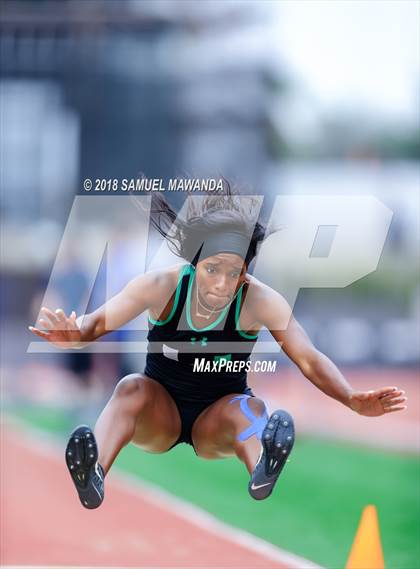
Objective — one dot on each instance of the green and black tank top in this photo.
(173, 367)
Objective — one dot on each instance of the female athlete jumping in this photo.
(194, 307)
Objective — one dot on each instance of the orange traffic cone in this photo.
(366, 551)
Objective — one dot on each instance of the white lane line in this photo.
(49, 446)
(201, 518)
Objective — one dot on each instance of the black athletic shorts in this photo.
(189, 411)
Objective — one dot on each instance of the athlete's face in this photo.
(219, 277)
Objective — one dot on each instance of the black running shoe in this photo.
(277, 442)
(86, 473)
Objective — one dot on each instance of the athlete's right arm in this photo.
(141, 293)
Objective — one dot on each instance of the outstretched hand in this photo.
(59, 329)
(378, 402)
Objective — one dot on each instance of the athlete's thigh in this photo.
(215, 431)
(158, 424)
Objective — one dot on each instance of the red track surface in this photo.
(316, 414)
(43, 523)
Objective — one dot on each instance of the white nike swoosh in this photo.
(253, 487)
(98, 472)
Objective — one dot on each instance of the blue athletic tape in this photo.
(257, 423)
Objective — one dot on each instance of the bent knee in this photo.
(133, 385)
(257, 406)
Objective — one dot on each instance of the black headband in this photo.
(225, 242)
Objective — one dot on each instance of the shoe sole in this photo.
(277, 442)
(81, 457)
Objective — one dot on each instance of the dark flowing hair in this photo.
(207, 215)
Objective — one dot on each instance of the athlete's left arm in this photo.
(273, 313)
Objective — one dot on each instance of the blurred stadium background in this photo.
(281, 98)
